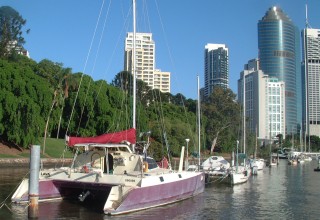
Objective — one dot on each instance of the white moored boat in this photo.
(215, 168)
(118, 180)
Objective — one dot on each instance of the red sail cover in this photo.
(117, 137)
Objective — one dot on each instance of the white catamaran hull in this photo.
(117, 193)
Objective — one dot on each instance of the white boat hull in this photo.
(238, 178)
(120, 193)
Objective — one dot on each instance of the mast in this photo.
(307, 22)
(199, 118)
(244, 114)
(134, 68)
(256, 144)
(306, 84)
(134, 64)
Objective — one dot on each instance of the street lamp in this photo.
(187, 140)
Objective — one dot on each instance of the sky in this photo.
(88, 35)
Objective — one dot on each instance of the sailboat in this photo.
(256, 163)
(240, 173)
(107, 171)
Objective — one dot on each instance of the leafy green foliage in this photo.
(22, 100)
(35, 97)
(11, 38)
(223, 123)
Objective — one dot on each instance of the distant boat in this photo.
(240, 172)
(258, 162)
(105, 171)
(239, 175)
(281, 153)
(274, 161)
(215, 162)
(307, 158)
(293, 157)
(318, 168)
(216, 168)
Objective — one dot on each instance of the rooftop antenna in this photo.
(307, 22)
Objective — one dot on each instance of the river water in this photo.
(282, 192)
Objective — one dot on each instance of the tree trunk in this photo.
(214, 142)
(60, 119)
(59, 123)
(46, 128)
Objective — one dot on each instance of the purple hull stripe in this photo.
(146, 197)
(47, 190)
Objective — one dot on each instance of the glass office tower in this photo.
(311, 80)
(216, 67)
(278, 44)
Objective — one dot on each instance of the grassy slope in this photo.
(54, 149)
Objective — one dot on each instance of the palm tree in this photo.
(61, 79)
(68, 80)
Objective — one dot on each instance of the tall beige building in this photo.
(161, 80)
(145, 61)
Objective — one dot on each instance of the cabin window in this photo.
(161, 179)
(180, 176)
(151, 163)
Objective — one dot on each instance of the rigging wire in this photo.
(173, 64)
(85, 66)
(3, 203)
(124, 97)
(93, 68)
(83, 107)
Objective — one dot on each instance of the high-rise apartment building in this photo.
(264, 101)
(145, 61)
(311, 80)
(216, 67)
(278, 44)
(161, 80)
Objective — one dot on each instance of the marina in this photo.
(127, 135)
(277, 192)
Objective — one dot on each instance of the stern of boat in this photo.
(116, 197)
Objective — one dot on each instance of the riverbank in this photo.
(18, 157)
(24, 162)
(15, 156)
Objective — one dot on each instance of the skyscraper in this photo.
(311, 70)
(216, 67)
(278, 44)
(145, 62)
(264, 101)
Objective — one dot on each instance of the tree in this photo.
(123, 80)
(11, 38)
(178, 99)
(223, 118)
(23, 100)
(60, 78)
(314, 143)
